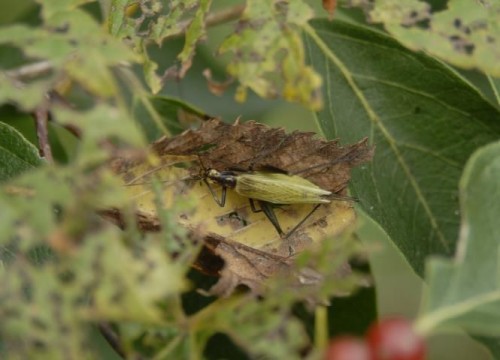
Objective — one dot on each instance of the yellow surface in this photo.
(280, 188)
(235, 221)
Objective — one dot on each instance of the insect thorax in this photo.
(223, 178)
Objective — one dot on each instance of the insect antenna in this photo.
(166, 182)
(349, 156)
(334, 196)
(135, 181)
(268, 211)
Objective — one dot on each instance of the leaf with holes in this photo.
(43, 323)
(59, 268)
(194, 33)
(118, 125)
(268, 54)
(82, 51)
(466, 34)
(140, 22)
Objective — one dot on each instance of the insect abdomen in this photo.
(280, 189)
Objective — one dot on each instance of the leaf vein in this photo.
(8, 152)
(374, 118)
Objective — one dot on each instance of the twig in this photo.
(112, 338)
(31, 70)
(41, 117)
(212, 19)
(222, 16)
(59, 100)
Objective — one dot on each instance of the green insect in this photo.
(268, 189)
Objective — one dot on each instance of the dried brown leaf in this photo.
(241, 246)
(243, 265)
(216, 87)
(253, 146)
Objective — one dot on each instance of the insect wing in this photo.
(280, 188)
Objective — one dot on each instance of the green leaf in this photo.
(268, 53)
(47, 305)
(154, 81)
(170, 20)
(493, 345)
(495, 86)
(97, 124)
(92, 52)
(118, 16)
(173, 113)
(43, 324)
(83, 51)
(130, 295)
(31, 206)
(266, 323)
(194, 33)
(52, 320)
(16, 11)
(62, 142)
(28, 98)
(423, 120)
(466, 292)
(162, 21)
(16, 153)
(52, 7)
(466, 34)
(353, 314)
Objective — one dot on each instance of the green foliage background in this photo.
(69, 278)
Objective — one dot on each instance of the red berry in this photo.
(395, 339)
(347, 348)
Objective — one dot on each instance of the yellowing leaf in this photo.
(466, 34)
(268, 54)
(194, 33)
(126, 295)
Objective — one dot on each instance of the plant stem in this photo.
(229, 14)
(41, 119)
(30, 70)
(112, 338)
(321, 327)
(162, 354)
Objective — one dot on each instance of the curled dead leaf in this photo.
(215, 87)
(252, 146)
(250, 248)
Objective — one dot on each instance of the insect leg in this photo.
(302, 221)
(271, 216)
(222, 200)
(267, 208)
(268, 211)
(252, 206)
